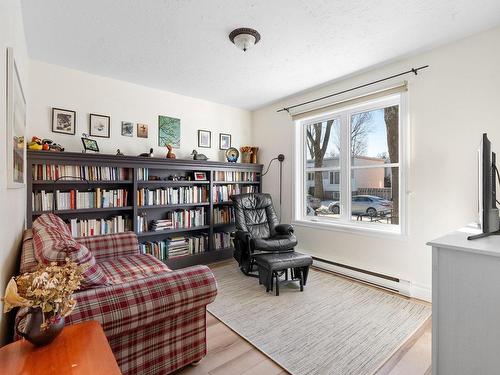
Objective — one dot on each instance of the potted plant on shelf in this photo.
(47, 295)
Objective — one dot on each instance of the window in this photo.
(351, 162)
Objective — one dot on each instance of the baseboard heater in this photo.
(383, 281)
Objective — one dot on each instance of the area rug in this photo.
(336, 326)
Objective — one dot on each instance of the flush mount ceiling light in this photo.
(244, 38)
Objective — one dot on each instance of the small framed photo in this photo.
(142, 130)
(224, 141)
(204, 138)
(200, 176)
(90, 144)
(127, 129)
(99, 125)
(63, 121)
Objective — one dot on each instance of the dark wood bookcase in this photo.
(160, 167)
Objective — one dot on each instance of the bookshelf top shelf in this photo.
(107, 160)
(236, 182)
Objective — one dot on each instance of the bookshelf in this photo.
(123, 192)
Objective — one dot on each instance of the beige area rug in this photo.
(335, 326)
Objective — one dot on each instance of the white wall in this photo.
(450, 105)
(12, 201)
(56, 86)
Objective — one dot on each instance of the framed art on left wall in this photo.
(16, 124)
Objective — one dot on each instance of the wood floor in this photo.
(229, 354)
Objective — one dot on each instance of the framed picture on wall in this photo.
(169, 131)
(99, 125)
(63, 121)
(16, 124)
(204, 138)
(142, 130)
(224, 141)
(127, 129)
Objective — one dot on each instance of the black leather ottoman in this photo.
(272, 265)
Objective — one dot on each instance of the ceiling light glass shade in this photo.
(244, 38)
(244, 41)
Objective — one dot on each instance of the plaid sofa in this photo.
(154, 318)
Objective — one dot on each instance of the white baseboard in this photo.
(403, 287)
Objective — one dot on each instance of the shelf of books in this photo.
(181, 210)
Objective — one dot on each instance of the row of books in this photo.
(143, 174)
(223, 215)
(222, 193)
(95, 227)
(177, 219)
(235, 176)
(222, 240)
(74, 199)
(172, 195)
(43, 172)
(176, 246)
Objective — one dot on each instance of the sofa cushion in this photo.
(132, 267)
(281, 242)
(53, 242)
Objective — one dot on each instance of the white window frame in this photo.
(344, 223)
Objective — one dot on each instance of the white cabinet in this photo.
(465, 305)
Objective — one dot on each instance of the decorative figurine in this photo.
(197, 156)
(170, 154)
(232, 154)
(119, 153)
(35, 144)
(147, 155)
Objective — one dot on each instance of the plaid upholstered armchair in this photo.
(154, 318)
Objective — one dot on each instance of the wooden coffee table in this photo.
(79, 349)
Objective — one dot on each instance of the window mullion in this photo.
(345, 175)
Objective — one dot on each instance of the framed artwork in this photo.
(99, 125)
(204, 138)
(127, 129)
(200, 176)
(63, 121)
(90, 144)
(169, 131)
(142, 130)
(224, 141)
(16, 124)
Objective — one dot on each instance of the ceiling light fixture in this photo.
(244, 38)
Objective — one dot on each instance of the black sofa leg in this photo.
(277, 284)
(301, 281)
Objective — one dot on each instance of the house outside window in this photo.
(353, 160)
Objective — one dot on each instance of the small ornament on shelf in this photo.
(170, 154)
(197, 156)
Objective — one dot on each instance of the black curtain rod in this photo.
(412, 70)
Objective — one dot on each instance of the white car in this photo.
(365, 205)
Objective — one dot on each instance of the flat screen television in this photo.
(488, 212)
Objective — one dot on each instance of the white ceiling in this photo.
(182, 45)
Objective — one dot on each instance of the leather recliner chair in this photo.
(258, 229)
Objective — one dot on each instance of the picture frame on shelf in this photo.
(16, 124)
(142, 130)
(169, 131)
(90, 145)
(63, 121)
(200, 176)
(204, 138)
(224, 141)
(99, 125)
(127, 129)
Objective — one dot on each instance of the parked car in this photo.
(365, 204)
(312, 204)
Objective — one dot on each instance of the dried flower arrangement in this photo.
(246, 149)
(49, 288)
